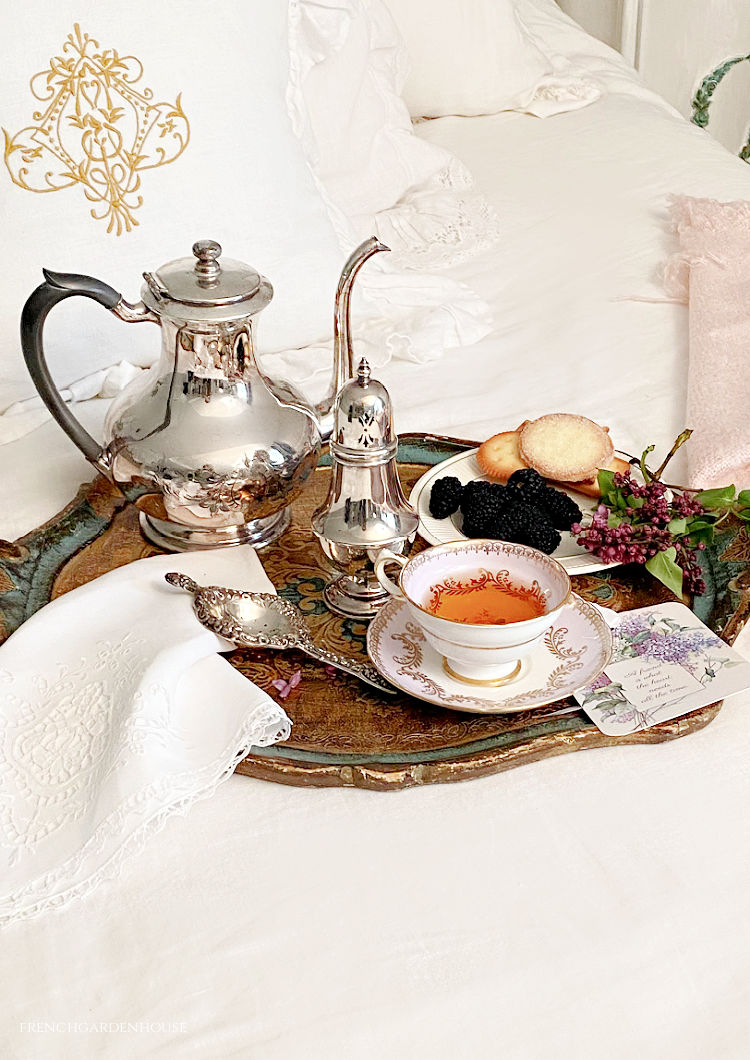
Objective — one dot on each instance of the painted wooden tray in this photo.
(345, 733)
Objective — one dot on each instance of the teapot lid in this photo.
(203, 288)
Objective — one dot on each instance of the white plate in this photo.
(574, 558)
(573, 653)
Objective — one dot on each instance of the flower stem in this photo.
(680, 440)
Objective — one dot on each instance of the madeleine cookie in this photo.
(499, 457)
(564, 447)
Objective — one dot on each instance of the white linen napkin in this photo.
(115, 713)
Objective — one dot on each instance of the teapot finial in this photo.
(207, 267)
(343, 354)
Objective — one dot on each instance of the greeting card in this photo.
(665, 663)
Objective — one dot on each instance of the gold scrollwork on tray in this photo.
(95, 129)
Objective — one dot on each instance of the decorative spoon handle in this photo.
(183, 582)
(363, 671)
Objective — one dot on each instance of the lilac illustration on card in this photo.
(665, 663)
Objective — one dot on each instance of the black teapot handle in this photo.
(58, 286)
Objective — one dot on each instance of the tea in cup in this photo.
(483, 605)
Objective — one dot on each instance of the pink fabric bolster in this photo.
(711, 272)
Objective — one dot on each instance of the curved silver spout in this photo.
(343, 355)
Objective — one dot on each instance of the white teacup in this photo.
(479, 653)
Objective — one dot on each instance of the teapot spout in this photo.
(343, 355)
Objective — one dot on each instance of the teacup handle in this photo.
(388, 584)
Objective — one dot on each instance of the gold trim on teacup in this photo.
(496, 682)
(488, 546)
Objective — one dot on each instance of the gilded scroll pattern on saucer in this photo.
(399, 649)
(410, 665)
(95, 129)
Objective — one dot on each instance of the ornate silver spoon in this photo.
(262, 620)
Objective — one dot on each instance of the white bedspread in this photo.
(591, 905)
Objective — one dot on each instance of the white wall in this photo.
(599, 17)
(680, 42)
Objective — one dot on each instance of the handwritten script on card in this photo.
(651, 683)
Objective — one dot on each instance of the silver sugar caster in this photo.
(210, 448)
(365, 510)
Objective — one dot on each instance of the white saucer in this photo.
(573, 653)
(574, 558)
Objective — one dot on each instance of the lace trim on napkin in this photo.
(267, 724)
(107, 733)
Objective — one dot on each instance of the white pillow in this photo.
(355, 125)
(379, 177)
(468, 57)
(222, 70)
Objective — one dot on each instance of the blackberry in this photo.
(522, 517)
(543, 537)
(474, 491)
(528, 525)
(482, 504)
(479, 495)
(561, 509)
(484, 522)
(445, 497)
(471, 528)
(526, 484)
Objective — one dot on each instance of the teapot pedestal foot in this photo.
(353, 598)
(179, 537)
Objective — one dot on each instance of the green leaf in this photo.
(717, 498)
(744, 498)
(700, 530)
(677, 526)
(744, 514)
(666, 570)
(704, 535)
(636, 502)
(606, 480)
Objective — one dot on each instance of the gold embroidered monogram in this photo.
(97, 130)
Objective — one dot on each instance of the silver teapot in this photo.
(212, 451)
